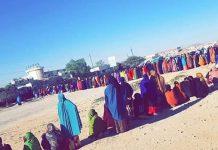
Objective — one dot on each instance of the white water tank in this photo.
(35, 72)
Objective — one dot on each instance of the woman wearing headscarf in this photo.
(80, 84)
(4, 146)
(52, 139)
(184, 62)
(179, 94)
(144, 70)
(69, 118)
(96, 125)
(149, 95)
(126, 89)
(212, 54)
(169, 66)
(171, 97)
(196, 60)
(165, 66)
(216, 53)
(202, 87)
(186, 87)
(179, 63)
(189, 61)
(213, 77)
(31, 142)
(18, 100)
(201, 61)
(160, 86)
(127, 93)
(94, 83)
(115, 104)
(174, 65)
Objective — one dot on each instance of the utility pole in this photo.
(132, 52)
(91, 59)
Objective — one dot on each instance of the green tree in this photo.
(78, 67)
(100, 63)
(134, 61)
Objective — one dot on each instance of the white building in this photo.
(35, 72)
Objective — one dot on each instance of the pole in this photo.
(132, 52)
(91, 59)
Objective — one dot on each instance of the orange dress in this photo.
(171, 99)
(201, 61)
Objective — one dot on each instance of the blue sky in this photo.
(51, 32)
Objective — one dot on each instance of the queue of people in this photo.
(120, 103)
(119, 109)
(162, 65)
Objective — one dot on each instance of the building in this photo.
(35, 72)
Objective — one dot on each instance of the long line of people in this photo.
(120, 105)
(162, 65)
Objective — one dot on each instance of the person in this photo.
(216, 53)
(127, 92)
(184, 62)
(165, 66)
(70, 121)
(201, 61)
(196, 60)
(212, 54)
(170, 97)
(4, 146)
(189, 61)
(159, 82)
(146, 92)
(114, 102)
(96, 125)
(193, 87)
(202, 87)
(19, 102)
(138, 106)
(52, 139)
(108, 118)
(31, 142)
(174, 66)
(186, 87)
(213, 76)
(149, 94)
(79, 84)
(179, 94)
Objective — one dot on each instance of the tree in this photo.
(78, 67)
(134, 61)
(100, 63)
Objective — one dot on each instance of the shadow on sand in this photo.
(164, 114)
(135, 123)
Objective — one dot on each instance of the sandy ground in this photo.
(190, 126)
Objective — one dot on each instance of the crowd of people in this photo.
(121, 104)
(162, 65)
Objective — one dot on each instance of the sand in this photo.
(190, 126)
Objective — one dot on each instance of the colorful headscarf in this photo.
(31, 142)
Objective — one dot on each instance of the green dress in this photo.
(96, 124)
